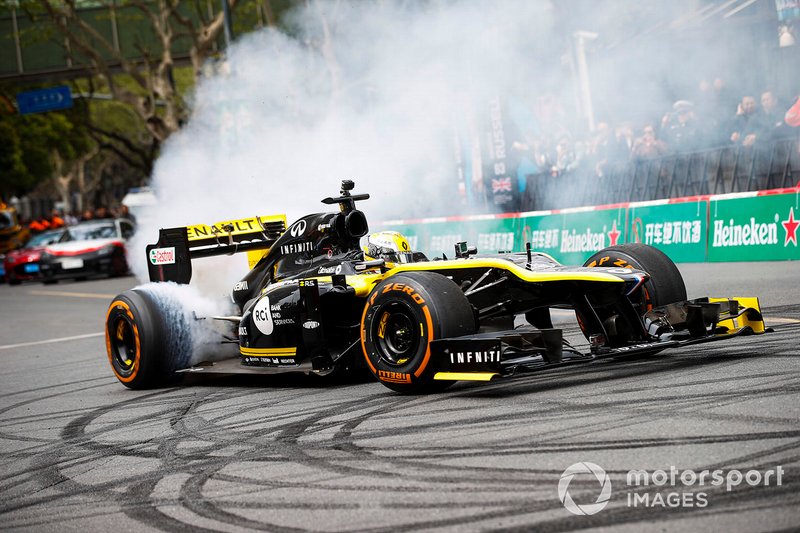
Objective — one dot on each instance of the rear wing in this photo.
(170, 259)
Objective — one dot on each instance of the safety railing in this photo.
(717, 171)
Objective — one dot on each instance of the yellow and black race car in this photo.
(325, 295)
(12, 234)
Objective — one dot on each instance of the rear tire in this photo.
(396, 310)
(145, 342)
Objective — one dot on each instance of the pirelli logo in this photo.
(406, 289)
(394, 377)
(608, 262)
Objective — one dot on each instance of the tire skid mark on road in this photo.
(691, 383)
(723, 503)
(18, 405)
(148, 512)
(191, 496)
(108, 381)
(362, 440)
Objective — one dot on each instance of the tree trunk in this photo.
(153, 76)
(75, 172)
(60, 180)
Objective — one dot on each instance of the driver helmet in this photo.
(391, 246)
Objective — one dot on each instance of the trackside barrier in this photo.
(727, 169)
(749, 226)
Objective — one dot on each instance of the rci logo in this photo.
(298, 229)
(590, 508)
(262, 317)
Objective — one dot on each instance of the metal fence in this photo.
(717, 171)
(31, 48)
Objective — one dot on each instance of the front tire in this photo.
(665, 285)
(144, 347)
(403, 314)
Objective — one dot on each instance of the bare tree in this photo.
(152, 96)
(73, 173)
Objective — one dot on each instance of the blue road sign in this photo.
(44, 100)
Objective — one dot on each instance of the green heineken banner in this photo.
(498, 235)
(585, 232)
(760, 228)
(574, 235)
(436, 237)
(543, 232)
(677, 229)
(570, 237)
(432, 238)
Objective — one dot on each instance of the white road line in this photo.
(49, 341)
(779, 320)
(72, 294)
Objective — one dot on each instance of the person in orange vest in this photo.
(55, 220)
(39, 225)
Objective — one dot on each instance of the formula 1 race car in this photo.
(323, 296)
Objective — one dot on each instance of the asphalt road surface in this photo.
(80, 452)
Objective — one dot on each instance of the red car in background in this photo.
(95, 247)
(23, 264)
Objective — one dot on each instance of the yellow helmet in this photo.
(390, 246)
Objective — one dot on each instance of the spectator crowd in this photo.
(57, 219)
(714, 118)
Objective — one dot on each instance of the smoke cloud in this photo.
(376, 91)
(361, 91)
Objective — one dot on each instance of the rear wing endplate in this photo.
(170, 259)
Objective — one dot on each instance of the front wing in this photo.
(484, 357)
